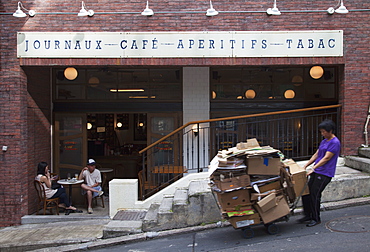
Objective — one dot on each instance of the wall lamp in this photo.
(195, 129)
(274, 10)
(147, 12)
(211, 11)
(340, 10)
(19, 12)
(83, 12)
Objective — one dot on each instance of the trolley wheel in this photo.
(248, 233)
(272, 228)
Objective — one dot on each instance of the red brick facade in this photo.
(25, 104)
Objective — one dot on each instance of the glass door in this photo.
(166, 152)
(70, 143)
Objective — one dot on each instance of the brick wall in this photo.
(38, 121)
(22, 118)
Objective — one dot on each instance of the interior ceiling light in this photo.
(83, 12)
(70, 73)
(316, 72)
(113, 90)
(214, 95)
(147, 12)
(20, 13)
(342, 9)
(142, 97)
(250, 94)
(289, 94)
(211, 12)
(274, 10)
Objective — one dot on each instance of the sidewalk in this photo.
(81, 231)
(83, 235)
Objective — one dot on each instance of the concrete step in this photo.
(150, 221)
(199, 187)
(364, 152)
(359, 163)
(180, 197)
(117, 228)
(38, 219)
(166, 205)
(348, 183)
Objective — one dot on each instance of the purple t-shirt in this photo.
(333, 146)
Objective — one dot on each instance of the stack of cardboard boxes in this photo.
(253, 185)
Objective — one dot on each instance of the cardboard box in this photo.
(244, 221)
(234, 199)
(299, 178)
(260, 165)
(233, 182)
(267, 202)
(280, 210)
(276, 185)
(245, 210)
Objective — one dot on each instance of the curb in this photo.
(102, 243)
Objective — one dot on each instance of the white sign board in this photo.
(319, 43)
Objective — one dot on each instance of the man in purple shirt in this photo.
(325, 161)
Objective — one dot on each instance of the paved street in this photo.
(345, 229)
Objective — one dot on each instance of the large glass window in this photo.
(119, 84)
(267, 83)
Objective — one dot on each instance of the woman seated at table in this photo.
(43, 175)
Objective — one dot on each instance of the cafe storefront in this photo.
(108, 87)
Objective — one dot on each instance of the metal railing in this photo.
(191, 147)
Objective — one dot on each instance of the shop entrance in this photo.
(112, 139)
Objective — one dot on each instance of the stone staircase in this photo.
(196, 204)
(360, 162)
(187, 207)
(190, 206)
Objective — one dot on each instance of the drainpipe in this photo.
(365, 130)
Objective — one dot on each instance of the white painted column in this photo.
(196, 106)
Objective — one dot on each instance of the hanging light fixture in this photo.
(274, 10)
(147, 12)
(289, 94)
(316, 72)
(297, 80)
(250, 94)
(214, 95)
(342, 9)
(211, 11)
(83, 12)
(19, 12)
(70, 73)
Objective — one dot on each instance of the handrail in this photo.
(238, 117)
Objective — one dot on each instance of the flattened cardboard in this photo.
(276, 185)
(244, 221)
(276, 212)
(234, 199)
(267, 202)
(259, 165)
(250, 144)
(233, 182)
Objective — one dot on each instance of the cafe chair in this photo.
(44, 203)
(95, 199)
(144, 183)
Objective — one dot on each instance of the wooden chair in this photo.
(144, 183)
(102, 200)
(45, 203)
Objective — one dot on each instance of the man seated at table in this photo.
(91, 187)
